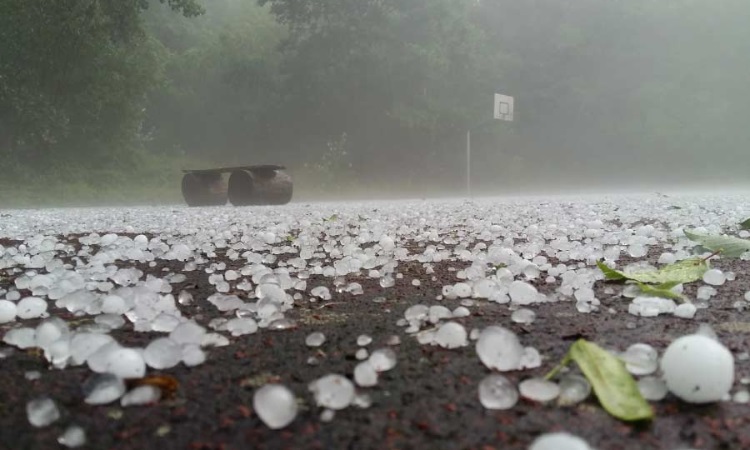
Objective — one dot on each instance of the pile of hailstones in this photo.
(150, 306)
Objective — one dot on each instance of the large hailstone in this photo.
(276, 405)
(698, 369)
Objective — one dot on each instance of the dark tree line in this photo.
(373, 87)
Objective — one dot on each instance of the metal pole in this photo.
(468, 163)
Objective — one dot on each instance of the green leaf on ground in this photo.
(729, 246)
(332, 218)
(613, 385)
(680, 272)
(661, 290)
(745, 224)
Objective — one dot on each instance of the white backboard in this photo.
(503, 107)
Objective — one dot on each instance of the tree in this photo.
(73, 76)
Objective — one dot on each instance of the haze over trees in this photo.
(370, 96)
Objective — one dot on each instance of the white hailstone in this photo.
(653, 388)
(651, 306)
(73, 437)
(559, 441)
(114, 304)
(383, 359)
(315, 339)
(241, 326)
(461, 290)
(747, 296)
(667, 258)
(31, 308)
(231, 275)
(141, 395)
(162, 353)
(387, 281)
(742, 396)
(101, 389)
(276, 405)
(637, 250)
(685, 311)
(714, 276)
(523, 293)
(460, 311)
(83, 345)
(7, 311)
(640, 359)
(438, 313)
(193, 355)
(451, 335)
(705, 293)
(363, 340)
(499, 348)
(42, 412)
(497, 392)
(362, 354)
(126, 363)
(698, 369)
(573, 389)
(188, 333)
(416, 312)
(365, 374)
(523, 316)
(332, 391)
(539, 389)
(321, 292)
(415, 282)
(531, 359)
(387, 243)
(327, 415)
(354, 289)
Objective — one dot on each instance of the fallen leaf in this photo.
(729, 246)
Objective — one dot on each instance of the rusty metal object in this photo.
(204, 189)
(247, 185)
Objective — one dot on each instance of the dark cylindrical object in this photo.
(204, 189)
(259, 187)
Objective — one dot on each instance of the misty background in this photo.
(107, 100)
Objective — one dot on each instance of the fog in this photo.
(373, 99)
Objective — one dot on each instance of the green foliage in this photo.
(615, 388)
(729, 246)
(685, 271)
(745, 224)
(661, 290)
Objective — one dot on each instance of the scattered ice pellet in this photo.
(101, 389)
(741, 396)
(499, 348)
(539, 389)
(573, 389)
(559, 441)
(363, 340)
(523, 293)
(653, 388)
(73, 437)
(126, 363)
(332, 391)
(640, 359)
(698, 369)
(141, 395)
(162, 353)
(451, 335)
(31, 308)
(685, 311)
(42, 412)
(523, 316)
(315, 339)
(365, 374)
(383, 359)
(497, 392)
(7, 311)
(276, 405)
(714, 276)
